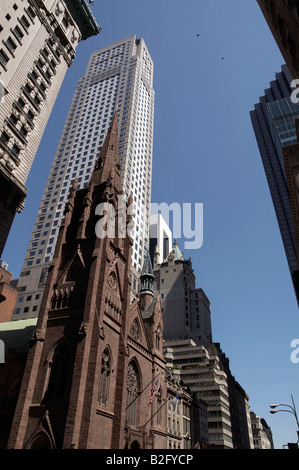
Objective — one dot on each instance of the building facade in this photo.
(118, 76)
(200, 371)
(8, 294)
(239, 407)
(179, 408)
(38, 43)
(95, 356)
(291, 161)
(200, 363)
(186, 309)
(188, 422)
(262, 436)
(282, 17)
(273, 120)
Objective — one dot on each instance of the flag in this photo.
(175, 402)
(153, 391)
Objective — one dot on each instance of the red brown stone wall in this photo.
(10, 294)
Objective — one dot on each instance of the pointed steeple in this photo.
(147, 276)
(107, 167)
(176, 252)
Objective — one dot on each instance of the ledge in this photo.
(84, 18)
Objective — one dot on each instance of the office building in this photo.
(239, 406)
(273, 120)
(291, 162)
(200, 371)
(262, 435)
(190, 352)
(283, 20)
(179, 407)
(38, 43)
(191, 429)
(186, 309)
(117, 76)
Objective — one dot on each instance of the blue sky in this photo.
(205, 152)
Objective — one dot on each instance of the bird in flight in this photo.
(197, 34)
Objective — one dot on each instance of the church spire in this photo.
(147, 276)
(107, 167)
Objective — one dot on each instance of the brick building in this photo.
(8, 294)
(94, 358)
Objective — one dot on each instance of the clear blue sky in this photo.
(205, 151)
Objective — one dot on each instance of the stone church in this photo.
(94, 356)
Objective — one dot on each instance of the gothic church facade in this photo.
(94, 356)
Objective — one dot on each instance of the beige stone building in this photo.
(179, 405)
(38, 43)
(260, 431)
(200, 371)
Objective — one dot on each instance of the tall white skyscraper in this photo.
(119, 75)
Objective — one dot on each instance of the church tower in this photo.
(91, 356)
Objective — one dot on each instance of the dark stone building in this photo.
(94, 357)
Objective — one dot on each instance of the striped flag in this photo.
(153, 391)
(175, 402)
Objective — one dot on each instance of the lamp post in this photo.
(292, 409)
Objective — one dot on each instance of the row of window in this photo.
(18, 34)
(20, 122)
(18, 310)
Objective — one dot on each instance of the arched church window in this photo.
(41, 441)
(104, 377)
(59, 372)
(133, 385)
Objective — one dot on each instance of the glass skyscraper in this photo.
(273, 120)
(117, 76)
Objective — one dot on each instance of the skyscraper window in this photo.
(107, 82)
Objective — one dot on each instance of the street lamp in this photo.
(291, 410)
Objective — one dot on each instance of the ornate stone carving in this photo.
(135, 329)
(112, 281)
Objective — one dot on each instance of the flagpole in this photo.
(157, 411)
(142, 391)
